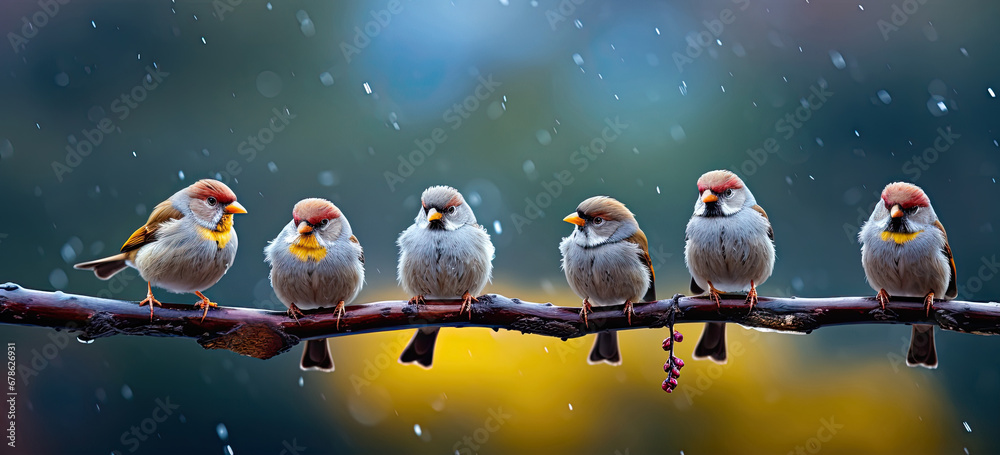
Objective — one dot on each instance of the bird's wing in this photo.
(952, 291)
(639, 238)
(770, 231)
(361, 257)
(162, 213)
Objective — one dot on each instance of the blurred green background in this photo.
(693, 86)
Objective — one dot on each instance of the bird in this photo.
(187, 244)
(905, 253)
(444, 254)
(606, 262)
(729, 248)
(316, 262)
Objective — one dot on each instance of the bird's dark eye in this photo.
(598, 220)
(911, 210)
(451, 209)
(211, 200)
(728, 193)
(324, 222)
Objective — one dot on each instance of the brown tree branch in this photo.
(264, 334)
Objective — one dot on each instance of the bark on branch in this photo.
(264, 334)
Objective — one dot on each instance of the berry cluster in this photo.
(673, 365)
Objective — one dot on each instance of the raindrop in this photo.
(798, 284)
(417, 430)
(528, 167)
(936, 105)
(495, 110)
(203, 40)
(180, 174)
(62, 79)
(324, 77)
(990, 89)
(967, 427)
(268, 84)
(497, 228)
(838, 60)
(83, 339)
(58, 279)
(305, 24)
(93, 24)
(856, 133)
(884, 96)
(677, 132)
(578, 23)
(578, 59)
(657, 189)
(327, 178)
(571, 406)
(739, 50)
(392, 120)
(272, 167)
(269, 7)
(301, 381)
(71, 249)
(543, 136)
(221, 430)
(964, 52)
(819, 142)
(227, 450)
(657, 30)
(368, 89)
(126, 392)
(683, 88)
(6, 149)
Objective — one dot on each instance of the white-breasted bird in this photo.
(316, 262)
(606, 261)
(444, 254)
(187, 244)
(905, 253)
(730, 248)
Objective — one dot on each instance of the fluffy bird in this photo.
(187, 244)
(606, 261)
(445, 254)
(905, 252)
(316, 262)
(729, 248)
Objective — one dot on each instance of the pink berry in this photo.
(672, 382)
(666, 386)
(666, 344)
(675, 373)
(678, 363)
(678, 337)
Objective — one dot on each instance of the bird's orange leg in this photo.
(883, 298)
(340, 311)
(467, 300)
(586, 309)
(929, 302)
(150, 300)
(752, 296)
(416, 300)
(714, 295)
(204, 303)
(629, 311)
(294, 312)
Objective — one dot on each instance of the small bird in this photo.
(187, 244)
(905, 253)
(730, 248)
(606, 261)
(316, 262)
(445, 254)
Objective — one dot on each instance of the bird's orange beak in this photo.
(896, 211)
(305, 228)
(235, 207)
(709, 197)
(434, 215)
(575, 219)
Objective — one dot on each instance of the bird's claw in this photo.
(206, 304)
(883, 298)
(340, 311)
(416, 300)
(714, 295)
(294, 312)
(150, 300)
(629, 311)
(467, 300)
(583, 312)
(928, 303)
(752, 296)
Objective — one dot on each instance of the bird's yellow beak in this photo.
(709, 197)
(235, 207)
(575, 219)
(305, 228)
(434, 215)
(896, 211)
